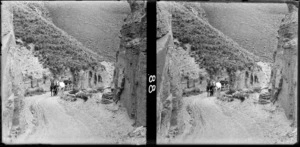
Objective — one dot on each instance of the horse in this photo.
(218, 86)
(61, 86)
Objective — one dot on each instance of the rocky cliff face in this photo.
(285, 70)
(91, 78)
(253, 77)
(12, 91)
(130, 70)
(169, 91)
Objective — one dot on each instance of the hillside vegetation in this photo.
(211, 49)
(254, 25)
(56, 49)
(95, 24)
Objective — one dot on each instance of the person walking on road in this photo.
(212, 88)
(208, 89)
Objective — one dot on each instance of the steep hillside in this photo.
(211, 49)
(95, 24)
(252, 25)
(55, 48)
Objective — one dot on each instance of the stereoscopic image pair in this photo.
(86, 72)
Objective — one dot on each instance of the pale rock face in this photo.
(255, 77)
(285, 69)
(169, 92)
(130, 69)
(90, 78)
(107, 75)
(264, 76)
(12, 85)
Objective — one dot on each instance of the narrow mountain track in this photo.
(52, 120)
(210, 123)
(48, 122)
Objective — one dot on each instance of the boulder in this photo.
(106, 101)
(191, 91)
(108, 96)
(264, 98)
(138, 132)
(83, 95)
(69, 97)
(74, 91)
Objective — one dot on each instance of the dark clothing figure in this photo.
(55, 89)
(212, 89)
(208, 89)
(52, 88)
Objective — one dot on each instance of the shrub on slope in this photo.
(55, 49)
(211, 49)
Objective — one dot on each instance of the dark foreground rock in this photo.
(264, 98)
(107, 98)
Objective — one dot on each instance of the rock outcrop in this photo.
(257, 76)
(169, 92)
(107, 75)
(130, 69)
(253, 77)
(12, 85)
(90, 78)
(284, 77)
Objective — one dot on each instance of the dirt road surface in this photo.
(53, 120)
(207, 121)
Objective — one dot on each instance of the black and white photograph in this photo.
(227, 72)
(73, 72)
(217, 72)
